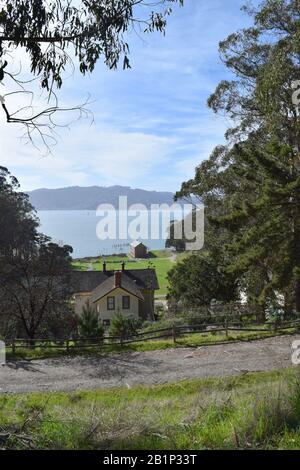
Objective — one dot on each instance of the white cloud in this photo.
(86, 155)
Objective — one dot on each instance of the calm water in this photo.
(78, 229)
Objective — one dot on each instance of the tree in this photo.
(181, 233)
(123, 326)
(198, 279)
(88, 323)
(34, 272)
(255, 179)
(18, 232)
(36, 285)
(172, 241)
(18, 220)
(52, 34)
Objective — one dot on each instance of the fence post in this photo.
(174, 333)
(13, 346)
(226, 325)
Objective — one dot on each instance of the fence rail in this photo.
(175, 332)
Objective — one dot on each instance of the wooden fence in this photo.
(174, 332)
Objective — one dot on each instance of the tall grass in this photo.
(252, 411)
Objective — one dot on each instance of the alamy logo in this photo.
(138, 222)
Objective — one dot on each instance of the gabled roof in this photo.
(136, 243)
(87, 281)
(108, 286)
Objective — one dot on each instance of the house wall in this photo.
(139, 251)
(141, 309)
(101, 306)
(105, 314)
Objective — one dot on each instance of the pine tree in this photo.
(88, 323)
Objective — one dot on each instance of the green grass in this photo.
(159, 262)
(251, 411)
(160, 254)
(186, 341)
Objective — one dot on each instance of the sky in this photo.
(151, 125)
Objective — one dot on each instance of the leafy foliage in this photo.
(59, 35)
(124, 326)
(88, 323)
(34, 271)
(52, 32)
(251, 186)
(17, 218)
(198, 280)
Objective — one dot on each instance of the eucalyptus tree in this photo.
(254, 180)
(53, 36)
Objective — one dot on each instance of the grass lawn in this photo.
(160, 261)
(191, 340)
(251, 411)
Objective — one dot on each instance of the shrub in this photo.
(159, 312)
(88, 323)
(124, 326)
(274, 313)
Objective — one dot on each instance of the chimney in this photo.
(104, 267)
(118, 276)
(123, 265)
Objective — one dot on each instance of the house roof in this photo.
(136, 243)
(108, 286)
(87, 281)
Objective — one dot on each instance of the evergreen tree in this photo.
(199, 279)
(34, 271)
(88, 323)
(123, 326)
(251, 186)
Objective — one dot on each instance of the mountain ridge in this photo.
(90, 197)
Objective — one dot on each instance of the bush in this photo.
(274, 313)
(88, 323)
(147, 326)
(124, 326)
(159, 312)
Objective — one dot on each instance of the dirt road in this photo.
(153, 367)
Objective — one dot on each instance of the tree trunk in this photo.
(297, 295)
(297, 266)
(31, 341)
(261, 313)
(297, 252)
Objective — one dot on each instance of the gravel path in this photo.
(151, 367)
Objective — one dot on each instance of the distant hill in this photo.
(78, 198)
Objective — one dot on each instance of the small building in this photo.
(138, 250)
(130, 292)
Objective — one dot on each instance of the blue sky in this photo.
(151, 124)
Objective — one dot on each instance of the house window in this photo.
(126, 302)
(106, 323)
(110, 303)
